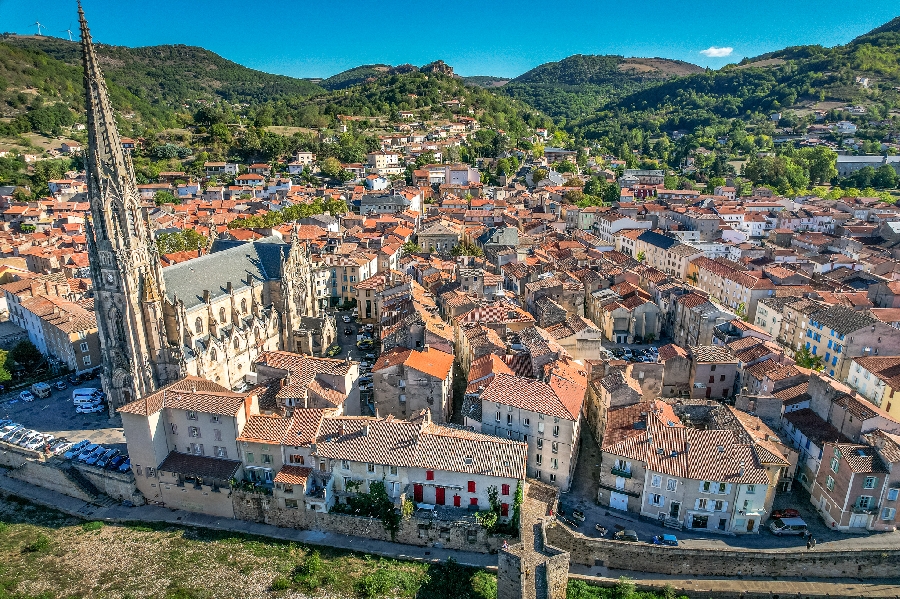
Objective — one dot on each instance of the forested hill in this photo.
(153, 81)
(577, 85)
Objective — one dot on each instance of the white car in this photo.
(346, 318)
(39, 442)
(89, 408)
(26, 396)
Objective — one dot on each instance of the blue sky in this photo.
(321, 38)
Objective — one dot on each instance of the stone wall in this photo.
(421, 532)
(12, 456)
(620, 555)
(46, 476)
(117, 485)
(510, 584)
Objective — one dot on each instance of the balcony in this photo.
(621, 472)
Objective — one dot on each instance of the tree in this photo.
(885, 177)
(331, 167)
(467, 249)
(538, 174)
(5, 375)
(27, 228)
(26, 355)
(805, 359)
(181, 241)
(411, 247)
(641, 256)
(165, 197)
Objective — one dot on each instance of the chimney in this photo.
(366, 431)
(742, 469)
(206, 296)
(341, 430)
(228, 287)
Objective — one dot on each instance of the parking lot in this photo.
(348, 342)
(56, 415)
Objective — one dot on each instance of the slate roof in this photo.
(661, 241)
(844, 320)
(228, 261)
(198, 465)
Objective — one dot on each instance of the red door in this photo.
(504, 509)
(417, 493)
(457, 501)
(439, 495)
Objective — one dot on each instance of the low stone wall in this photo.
(640, 557)
(12, 456)
(117, 485)
(46, 476)
(413, 531)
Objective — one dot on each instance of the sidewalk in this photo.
(150, 513)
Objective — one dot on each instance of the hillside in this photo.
(363, 74)
(577, 85)
(487, 81)
(153, 82)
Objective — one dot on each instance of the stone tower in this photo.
(124, 263)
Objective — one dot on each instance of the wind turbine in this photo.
(69, 31)
(38, 24)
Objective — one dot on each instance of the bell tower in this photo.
(124, 263)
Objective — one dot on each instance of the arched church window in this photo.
(198, 325)
(244, 305)
(222, 315)
(256, 332)
(213, 356)
(237, 344)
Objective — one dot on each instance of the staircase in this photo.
(83, 483)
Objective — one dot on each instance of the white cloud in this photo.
(717, 52)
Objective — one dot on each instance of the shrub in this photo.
(281, 584)
(92, 526)
(40, 545)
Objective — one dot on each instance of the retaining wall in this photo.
(641, 557)
(46, 476)
(117, 485)
(413, 531)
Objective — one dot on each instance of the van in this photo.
(787, 526)
(41, 390)
(87, 400)
(82, 391)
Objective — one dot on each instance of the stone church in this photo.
(209, 317)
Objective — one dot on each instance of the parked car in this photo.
(103, 462)
(786, 513)
(348, 331)
(96, 455)
(369, 328)
(370, 357)
(333, 351)
(8, 430)
(578, 515)
(61, 448)
(39, 441)
(76, 449)
(670, 540)
(26, 396)
(86, 451)
(346, 318)
(116, 462)
(365, 344)
(366, 378)
(73, 379)
(626, 535)
(29, 437)
(126, 465)
(17, 436)
(93, 408)
(787, 526)
(366, 387)
(61, 385)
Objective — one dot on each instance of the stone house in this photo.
(713, 371)
(407, 381)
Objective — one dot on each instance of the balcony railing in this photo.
(621, 472)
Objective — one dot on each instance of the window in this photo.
(249, 457)
(295, 459)
(214, 419)
(213, 356)
(705, 486)
(86, 360)
(864, 502)
(192, 415)
(290, 504)
(220, 452)
(198, 325)
(222, 315)
(509, 420)
(526, 422)
(829, 483)
(217, 434)
(471, 486)
(429, 475)
(393, 471)
(266, 458)
(712, 368)
(870, 482)
(552, 478)
(835, 465)
(751, 489)
(244, 306)
(540, 443)
(370, 467)
(701, 504)
(671, 484)
(174, 428)
(345, 465)
(554, 463)
(554, 447)
(84, 347)
(541, 428)
(721, 378)
(657, 500)
(722, 487)
(498, 417)
(656, 481)
(504, 489)
(556, 431)
(893, 494)
(193, 431)
(473, 501)
(538, 459)
(888, 513)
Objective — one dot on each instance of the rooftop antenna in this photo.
(38, 25)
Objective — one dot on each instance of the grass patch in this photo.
(92, 526)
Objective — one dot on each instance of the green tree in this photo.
(331, 167)
(885, 177)
(5, 375)
(467, 249)
(27, 228)
(805, 359)
(538, 174)
(411, 247)
(641, 256)
(26, 354)
(165, 197)
(181, 241)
